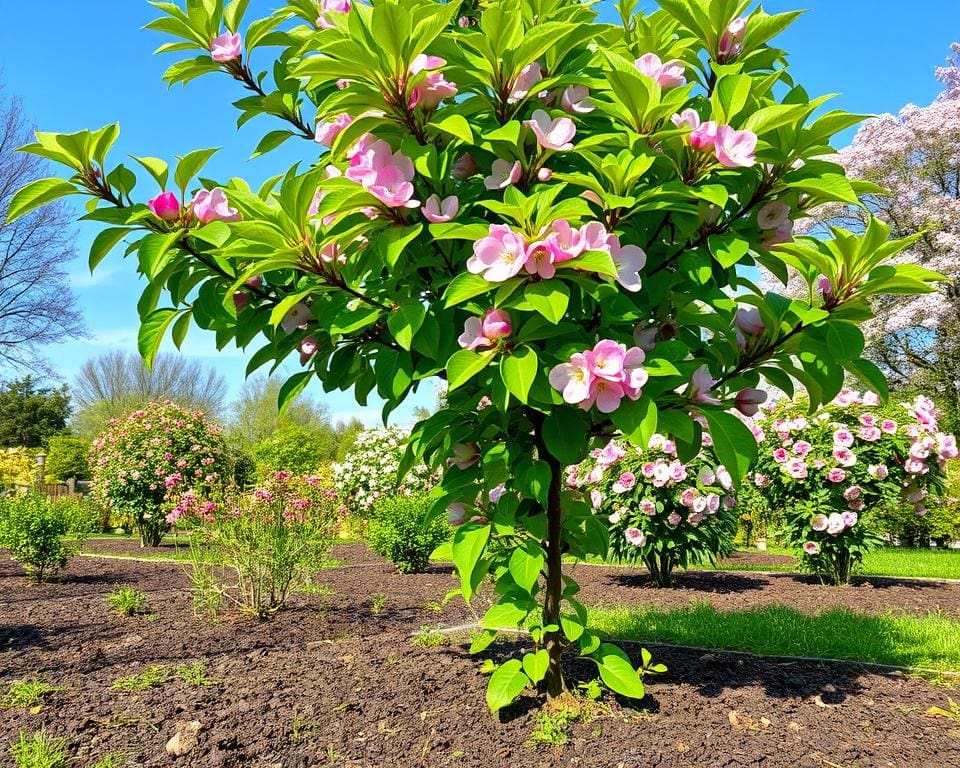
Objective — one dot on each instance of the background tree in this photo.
(30, 413)
(114, 384)
(913, 159)
(67, 458)
(37, 306)
(256, 416)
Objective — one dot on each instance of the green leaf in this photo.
(152, 328)
(565, 434)
(550, 298)
(391, 242)
(464, 365)
(454, 125)
(869, 374)
(727, 249)
(518, 371)
(180, 328)
(104, 242)
(506, 683)
(592, 261)
(270, 142)
(733, 442)
(525, 565)
(535, 664)
(190, 165)
(617, 672)
(156, 168)
(469, 541)
(483, 640)
(465, 286)
(37, 193)
(507, 612)
(291, 388)
(405, 321)
(637, 419)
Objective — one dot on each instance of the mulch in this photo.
(332, 681)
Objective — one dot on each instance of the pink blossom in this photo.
(328, 7)
(606, 395)
(296, 318)
(554, 135)
(731, 41)
(385, 174)
(456, 513)
(464, 167)
(850, 518)
(688, 118)
(433, 88)
(835, 524)
(688, 496)
(596, 499)
(648, 507)
(498, 256)
(843, 438)
(844, 457)
(635, 536)
(496, 493)
(734, 149)
(846, 397)
(605, 360)
(819, 523)
(853, 492)
(439, 211)
(704, 135)
(811, 548)
(879, 471)
(801, 448)
(749, 322)
(871, 399)
(667, 74)
(889, 426)
(624, 483)
(947, 446)
(613, 518)
(328, 130)
(700, 387)
(673, 519)
(576, 98)
(915, 467)
(609, 454)
(629, 260)
(541, 257)
(870, 434)
(713, 503)
(796, 468)
(544, 174)
(485, 331)
(573, 379)
(464, 455)
(773, 215)
(308, 348)
(165, 206)
(706, 476)
(503, 174)
(523, 83)
(212, 205)
(836, 475)
(695, 517)
(749, 401)
(780, 455)
(226, 47)
(723, 475)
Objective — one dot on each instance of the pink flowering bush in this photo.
(598, 185)
(662, 511)
(833, 470)
(274, 537)
(143, 463)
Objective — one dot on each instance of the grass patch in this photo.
(28, 694)
(195, 674)
(931, 642)
(39, 751)
(128, 601)
(151, 677)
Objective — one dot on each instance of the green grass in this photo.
(153, 676)
(895, 562)
(931, 642)
(28, 694)
(39, 751)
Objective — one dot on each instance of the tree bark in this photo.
(553, 641)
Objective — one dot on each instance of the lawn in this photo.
(929, 642)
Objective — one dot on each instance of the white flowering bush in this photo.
(663, 511)
(832, 470)
(369, 470)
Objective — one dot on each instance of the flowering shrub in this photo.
(274, 537)
(663, 511)
(831, 470)
(33, 529)
(18, 466)
(404, 531)
(143, 463)
(368, 471)
(593, 182)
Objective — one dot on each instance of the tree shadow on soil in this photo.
(697, 581)
(19, 637)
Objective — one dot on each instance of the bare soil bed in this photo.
(336, 681)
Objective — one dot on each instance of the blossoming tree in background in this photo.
(831, 470)
(662, 511)
(595, 185)
(913, 159)
(142, 464)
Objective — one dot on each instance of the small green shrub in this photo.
(28, 694)
(110, 760)
(128, 601)
(32, 528)
(86, 516)
(429, 637)
(39, 751)
(403, 532)
(195, 674)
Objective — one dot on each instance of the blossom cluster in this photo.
(206, 206)
(601, 376)
(369, 470)
(504, 253)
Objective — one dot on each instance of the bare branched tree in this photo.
(37, 306)
(116, 383)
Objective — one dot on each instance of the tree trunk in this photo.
(553, 641)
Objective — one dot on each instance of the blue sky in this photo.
(84, 64)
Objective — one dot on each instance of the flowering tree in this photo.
(830, 470)
(595, 185)
(913, 163)
(662, 511)
(143, 463)
(368, 471)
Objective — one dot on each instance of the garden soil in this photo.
(336, 679)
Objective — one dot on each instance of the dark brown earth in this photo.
(331, 683)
